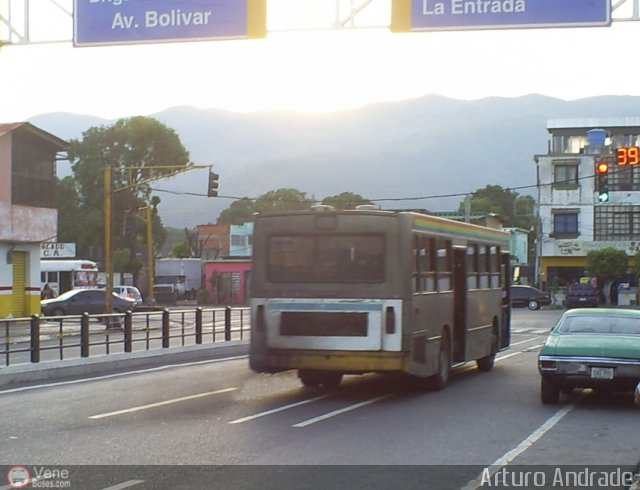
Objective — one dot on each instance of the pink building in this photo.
(227, 281)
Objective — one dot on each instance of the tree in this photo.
(181, 250)
(607, 264)
(137, 149)
(345, 200)
(515, 210)
(242, 211)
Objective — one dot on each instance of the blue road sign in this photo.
(98, 22)
(501, 14)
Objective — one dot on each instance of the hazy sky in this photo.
(316, 70)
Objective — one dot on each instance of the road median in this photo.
(47, 371)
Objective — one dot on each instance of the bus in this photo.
(360, 291)
(65, 274)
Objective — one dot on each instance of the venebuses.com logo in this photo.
(18, 477)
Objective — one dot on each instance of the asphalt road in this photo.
(216, 424)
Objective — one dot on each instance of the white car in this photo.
(130, 292)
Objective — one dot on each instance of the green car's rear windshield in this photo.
(601, 324)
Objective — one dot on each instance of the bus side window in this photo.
(483, 264)
(416, 263)
(472, 266)
(444, 265)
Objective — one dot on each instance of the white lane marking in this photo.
(340, 411)
(502, 358)
(160, 404)
(279, 409)
(118, 375)
(126, 484)
(525, 341)
(519, 449)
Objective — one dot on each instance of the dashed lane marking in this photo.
(342, 410)
(160, 404)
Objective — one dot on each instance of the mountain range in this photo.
(422, 153)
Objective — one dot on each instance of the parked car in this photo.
(131, 292)
(581, 295)
(591, 348)
(79, 301)
(529, 296)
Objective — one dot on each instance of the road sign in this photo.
(431, 15)
(100, 22)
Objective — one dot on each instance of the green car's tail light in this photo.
(546, 365)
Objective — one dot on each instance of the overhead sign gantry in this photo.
(108, 22)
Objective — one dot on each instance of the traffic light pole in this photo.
(108, 225)
(108, 262)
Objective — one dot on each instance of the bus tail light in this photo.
(390, 320)
(260, 322)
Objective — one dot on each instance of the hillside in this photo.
(425, 147)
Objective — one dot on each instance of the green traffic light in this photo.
(603, 197)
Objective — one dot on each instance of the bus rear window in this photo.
(326, 258)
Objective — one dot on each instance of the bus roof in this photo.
(419, 222)
(67, 265)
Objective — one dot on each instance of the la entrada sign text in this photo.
(99, 22)
(55, 250)
(425, 15)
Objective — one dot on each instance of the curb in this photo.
(11, 376)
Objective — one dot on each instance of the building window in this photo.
(568, 144)
(565, 224)
(565, 173)
(620, 223)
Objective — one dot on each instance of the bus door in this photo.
(459, 303)
(66, 281)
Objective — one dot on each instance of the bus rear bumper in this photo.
(274, 361)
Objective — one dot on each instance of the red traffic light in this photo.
(602, 168)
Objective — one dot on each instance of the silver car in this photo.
(130, 292)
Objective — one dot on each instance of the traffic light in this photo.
(602, 173)
(212, 189)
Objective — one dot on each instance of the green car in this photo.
(591, 348)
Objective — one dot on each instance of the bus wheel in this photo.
(439, 380)
(310, 378)
(331, 379)
(486, 363)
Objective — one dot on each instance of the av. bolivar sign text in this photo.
(98, 22)
(425, 15)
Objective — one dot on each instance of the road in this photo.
(482, 426)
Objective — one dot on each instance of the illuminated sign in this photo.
(103, 22)
(628, 155)
(431, 15)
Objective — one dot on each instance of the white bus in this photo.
(65, 274)
(351, 292)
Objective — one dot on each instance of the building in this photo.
(576, 213)
(28, 215)
(213, 241)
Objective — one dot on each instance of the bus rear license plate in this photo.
(602, 373)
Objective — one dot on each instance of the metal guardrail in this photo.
(37, 339)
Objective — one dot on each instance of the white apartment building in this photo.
(572, 220)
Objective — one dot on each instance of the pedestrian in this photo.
(47, 292)
(636, 396)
